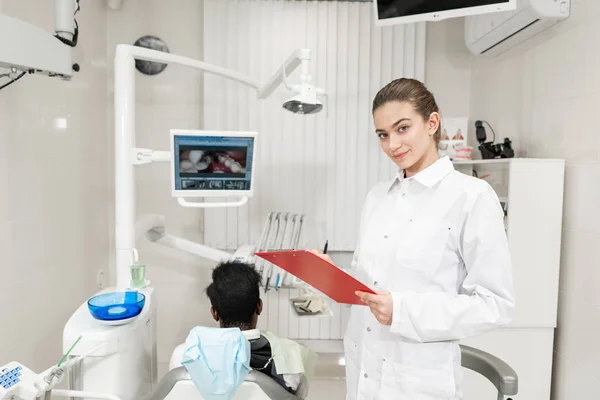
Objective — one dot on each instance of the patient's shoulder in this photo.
(177, 356)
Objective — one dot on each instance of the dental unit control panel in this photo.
(18, 382)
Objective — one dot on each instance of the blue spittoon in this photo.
(116, 306)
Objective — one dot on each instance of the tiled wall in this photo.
(545, 95)
(53, 191)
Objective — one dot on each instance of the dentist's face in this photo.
(405, 136)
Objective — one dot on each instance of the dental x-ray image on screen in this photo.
(205, 165)
(390, 12)
(197, 161)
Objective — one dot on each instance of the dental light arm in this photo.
(305, 101)
(140, 53)
(27, 48)
(300, 57)
(297, 58)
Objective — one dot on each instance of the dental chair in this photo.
(178, 385)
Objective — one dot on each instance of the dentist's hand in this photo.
(381, 305)
(323, 256)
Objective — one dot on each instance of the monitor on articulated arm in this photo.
(212, 164)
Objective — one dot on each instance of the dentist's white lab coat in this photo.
(437, 242)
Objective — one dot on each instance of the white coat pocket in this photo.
(423, 243)
(420, 371)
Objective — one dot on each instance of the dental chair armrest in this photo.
(166, 384)
(499, 373)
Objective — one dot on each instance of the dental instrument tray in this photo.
(301, 308)
(319, 273)
(311, 305)
(116, 308)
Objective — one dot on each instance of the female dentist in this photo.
(433, 245)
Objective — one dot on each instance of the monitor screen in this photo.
(390, 12)
(212, 164)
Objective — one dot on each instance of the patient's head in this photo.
(234, 295)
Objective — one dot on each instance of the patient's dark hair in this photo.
(234, 293)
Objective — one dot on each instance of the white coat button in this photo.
(366, 376)
(385, 236)
(375, 283)
(368, 329)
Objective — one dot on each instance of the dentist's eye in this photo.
(382, 136)
(403, 128)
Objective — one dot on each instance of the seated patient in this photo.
(235, 303)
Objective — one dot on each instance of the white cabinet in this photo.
(533, 192)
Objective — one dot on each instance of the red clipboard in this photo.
(319, 273)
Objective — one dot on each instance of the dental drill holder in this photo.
(273, 237)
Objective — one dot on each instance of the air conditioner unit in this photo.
(495, 33)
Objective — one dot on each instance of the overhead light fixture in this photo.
(305, 101)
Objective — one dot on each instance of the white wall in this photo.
(545, 95)
(448, 67)
(53, 191)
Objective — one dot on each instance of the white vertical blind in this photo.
(320, 165)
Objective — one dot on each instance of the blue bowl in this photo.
(116, 306)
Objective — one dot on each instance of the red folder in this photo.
(319, 273)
